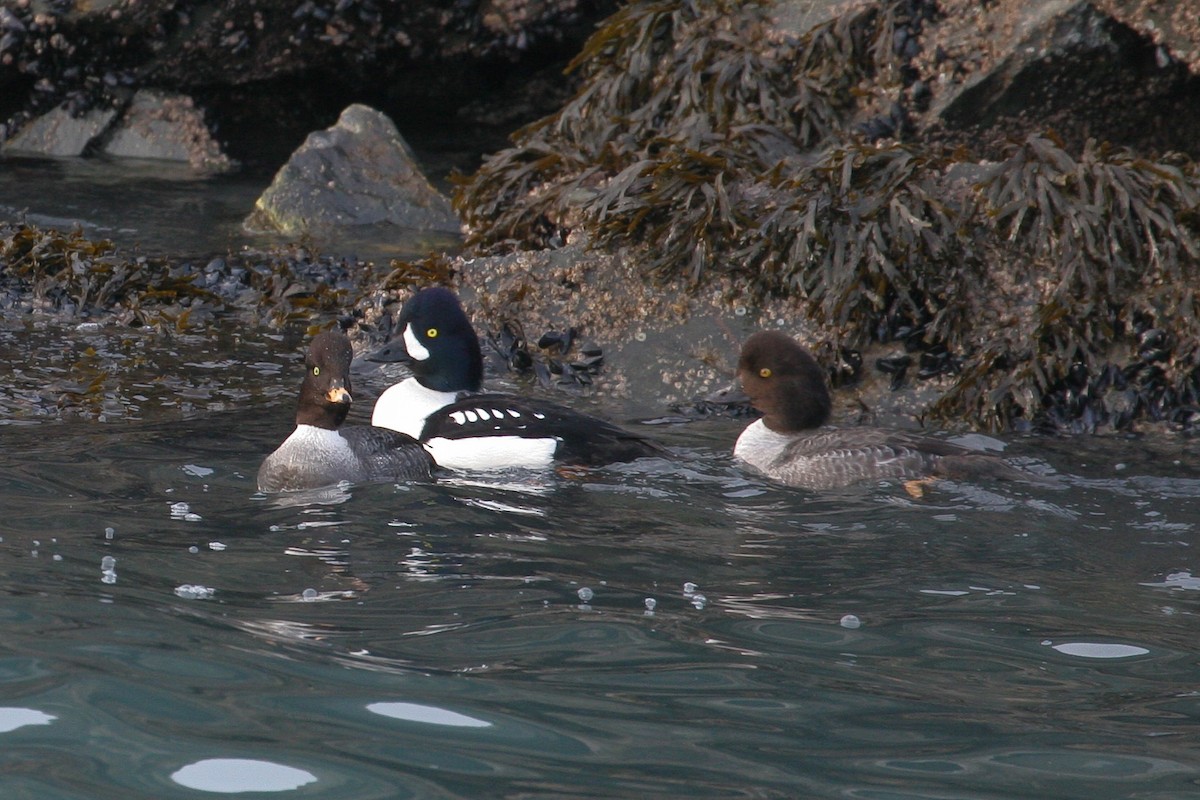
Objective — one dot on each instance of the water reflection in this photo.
(429, 715)
(236, 775)
(13, 718)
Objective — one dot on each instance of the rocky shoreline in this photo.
(977, 214)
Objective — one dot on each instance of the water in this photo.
(656, 630)
(667, 629)
(162, 208)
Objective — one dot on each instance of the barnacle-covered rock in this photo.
(166, 127)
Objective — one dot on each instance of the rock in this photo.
(1061, 65)
(167, 127)
(287, 61)
(57, 133)
(358, 172)
(1173, 24)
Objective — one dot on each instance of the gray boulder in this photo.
(167, 127)
(57, 133)
(358, 172)
(1063, 65)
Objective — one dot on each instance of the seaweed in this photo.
(705, 90)
(1097, 250)
(1049, 289)
(70, 274)
(860, 235)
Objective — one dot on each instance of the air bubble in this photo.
(108, 570)
(190, 591)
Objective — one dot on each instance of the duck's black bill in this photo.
(391, 353)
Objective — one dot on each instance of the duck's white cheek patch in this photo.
(413, 345)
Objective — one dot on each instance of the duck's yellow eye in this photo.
(765, 372)
(316, 370)
(431, 333)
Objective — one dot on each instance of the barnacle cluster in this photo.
(1045, 288)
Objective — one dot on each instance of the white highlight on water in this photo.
(189, 591)
(12, 717)
(1100, 650)
(430, 715)
(108, 570)
(233, 775)
(184, 511)
(691, 592)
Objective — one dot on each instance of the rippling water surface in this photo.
(655, 630)
(665, 629)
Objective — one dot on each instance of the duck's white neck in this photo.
(759, 445)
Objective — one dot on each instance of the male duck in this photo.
(466, 429)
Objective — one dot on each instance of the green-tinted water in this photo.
(659, 630)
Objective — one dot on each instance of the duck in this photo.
(321, 451)
(793, 444)
(443, 405)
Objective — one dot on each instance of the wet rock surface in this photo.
(1068, 66)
